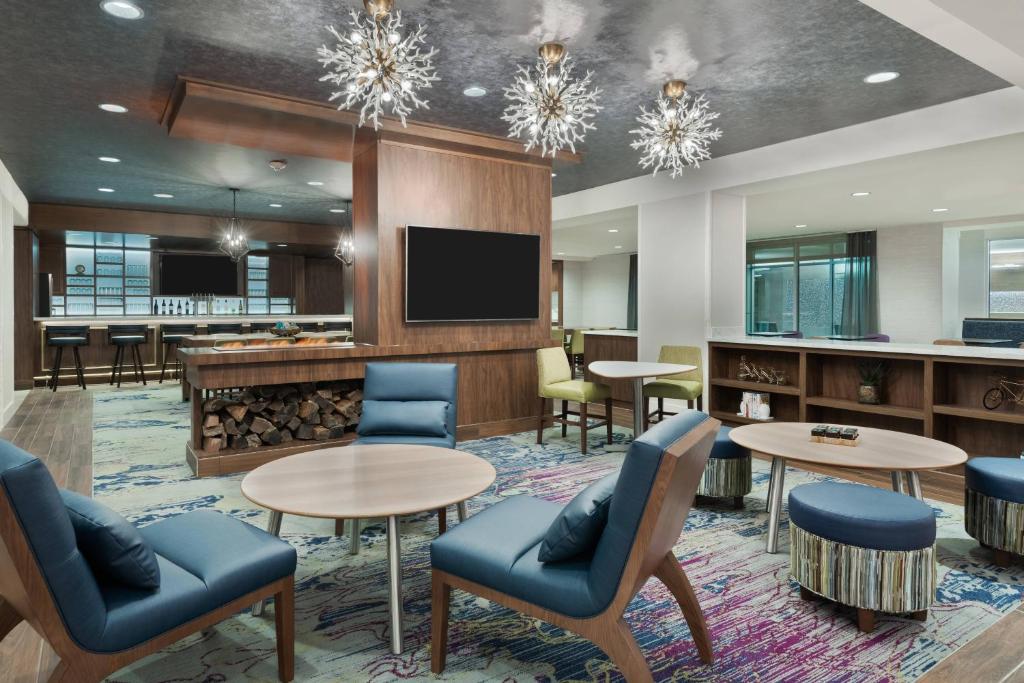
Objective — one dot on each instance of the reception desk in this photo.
(934, 391)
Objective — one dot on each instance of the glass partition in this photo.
(1006, 278)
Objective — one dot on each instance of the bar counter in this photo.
(934, 391)
(98, 356)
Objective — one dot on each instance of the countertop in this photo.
(103, 321)
(992, 353)
(610, 333)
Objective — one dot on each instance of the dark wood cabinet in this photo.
(281, 283)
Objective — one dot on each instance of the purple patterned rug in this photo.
(762, 631)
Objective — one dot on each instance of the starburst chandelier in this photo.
(375, 65)
(549, 107)
(677, 132)
(234, 242)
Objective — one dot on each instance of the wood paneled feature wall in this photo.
(610, 347)
(398, 183)
(557, 290)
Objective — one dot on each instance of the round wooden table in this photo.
(877, 449)
(373, 481)
(636, 371)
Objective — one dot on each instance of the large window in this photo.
(796, 284)
(1006, 278)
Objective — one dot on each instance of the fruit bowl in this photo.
(285, 329)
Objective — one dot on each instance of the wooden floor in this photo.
(57, 427)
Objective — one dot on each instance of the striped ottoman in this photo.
(727, 474)
(994, 505)
(863, 546)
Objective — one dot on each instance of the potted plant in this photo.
(872, 374)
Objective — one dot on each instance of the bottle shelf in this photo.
(979, 413)
(874, 409)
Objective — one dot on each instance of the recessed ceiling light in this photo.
(859, 194)
(122, 9)
(114, 108)
(275, 206)
(337, 210)
(939, 210)
(474, 91)
(613, 230)
(104, 189)
(882, 77)
(282, 245)
(163, 195)
(618, 246)
(110, 160)
(315, 183)
(554, 175)
(800, 225)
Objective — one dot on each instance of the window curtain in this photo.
(860, 292)
(631, 296)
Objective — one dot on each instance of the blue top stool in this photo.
(61, 337)
(170, 338)
(994, 505)
(129, 337)
(728, 472)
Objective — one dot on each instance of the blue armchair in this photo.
(211, 566)
(494, 554)
(408, 403)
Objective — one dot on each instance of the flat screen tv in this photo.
(185, 274)
(459, 275)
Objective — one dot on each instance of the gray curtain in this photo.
(631, 296)
(860, 292)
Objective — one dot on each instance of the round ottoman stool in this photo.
(994, 505)
(727, 474)
(863, 546)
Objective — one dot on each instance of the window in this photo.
(796, 284)
(1006, 278)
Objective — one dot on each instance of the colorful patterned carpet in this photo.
(762, 631)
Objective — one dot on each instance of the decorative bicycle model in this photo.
(1007, 390)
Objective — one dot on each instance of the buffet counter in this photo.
(934, 391)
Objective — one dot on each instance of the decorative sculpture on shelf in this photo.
(751, 372)
(1008, 389)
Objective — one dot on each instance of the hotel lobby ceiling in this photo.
(775, 69)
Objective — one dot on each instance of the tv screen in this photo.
(453, 274)
(185, 274)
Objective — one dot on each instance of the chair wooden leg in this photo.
(672, 575)
(117, 359)
(163, 364)
(608, 418)
(737, 502)
(79, 369)
(621, 647)
(63, 672)
(441, 594)
(1001, 558)
(442, 520)
(661, 409)
(339, 527)
(865, 620)
(540, 421)
(9, 618)
(700, 402)
(565, 416)
(583, 427)
(284, 621)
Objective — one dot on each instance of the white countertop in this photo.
(995, 353)
(103, 321)
(610, 333)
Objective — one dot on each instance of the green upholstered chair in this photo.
(554, 381)
(575, 349)
(686, 386)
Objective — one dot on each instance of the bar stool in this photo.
(170, 337)
(260, 327)
(61, 337)
(130, 337)
(224, 328)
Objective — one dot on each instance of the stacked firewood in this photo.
(272, 415)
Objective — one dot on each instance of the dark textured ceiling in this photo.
(775, 69)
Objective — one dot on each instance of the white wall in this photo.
(572, 293)
(727, 257)
(605, 291)
(910, 283)
(13, 210)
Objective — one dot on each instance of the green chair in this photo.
(554, 378)
(558, 335)
(686, 386)
(575, 349)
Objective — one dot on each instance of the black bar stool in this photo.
(261, 327)
(127, 337)
(170, 337)
(61, 337)
(224, 328)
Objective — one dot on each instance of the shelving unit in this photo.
(874, 409)
(105, 274)
(763, 387)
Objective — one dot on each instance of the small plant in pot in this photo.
(872, 376)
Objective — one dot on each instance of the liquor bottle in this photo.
(163, 306)
(178, 311)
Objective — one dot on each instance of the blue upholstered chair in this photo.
(211, 566)
(994, 505)
(408, 403)
(495, 553)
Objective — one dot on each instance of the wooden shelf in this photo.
(979, 413)
(757, 386)
(882, 409)
(726, 416)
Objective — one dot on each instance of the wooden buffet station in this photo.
(932, 391)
